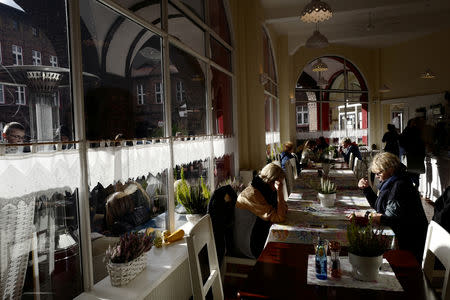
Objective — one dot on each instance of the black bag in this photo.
(137, 217)
(442, 210)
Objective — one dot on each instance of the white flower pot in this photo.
(327, 200)
(365, 268)
(193, 218)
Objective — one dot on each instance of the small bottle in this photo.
(321, 260)
(335, 267)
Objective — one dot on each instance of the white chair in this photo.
(203, 263)
(437, 245)
(351, 161)
(294, 167)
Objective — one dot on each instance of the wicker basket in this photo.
(121, 274)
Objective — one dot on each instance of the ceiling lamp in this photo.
(317, 40)
(316, 11)
(319, 66)
(427, 74)
(384, 89)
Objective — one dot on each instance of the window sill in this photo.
(161, 262)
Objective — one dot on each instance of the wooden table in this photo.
(281, 273)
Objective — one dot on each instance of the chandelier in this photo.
(319, 66)
(317, 40)
(316, 11)
(427, 74)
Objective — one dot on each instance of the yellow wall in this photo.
(247, 20)
(402, 65)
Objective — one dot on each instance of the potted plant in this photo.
(128, 257)
(327, 193)
(194, 198)
(366, 248)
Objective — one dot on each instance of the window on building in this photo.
(15, 25)
(1, 58)
(302, 115)
(158, 93)
(35, 31)
(180, 92)
(56, 102)
(140, 94)
(2, 95)
(17, 55)
(36, 55)
(20, 100)
(53, 61)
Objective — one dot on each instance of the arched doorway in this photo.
(331, 101)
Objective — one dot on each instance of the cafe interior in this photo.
(121, 106)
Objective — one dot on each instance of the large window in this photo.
(334, 100)
(269, 80)
(155, 103)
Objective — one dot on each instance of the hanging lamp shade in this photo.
(317, 40)
(427, 74)
(316, 11)
(319, 66)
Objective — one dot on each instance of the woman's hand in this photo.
(363, 183)
(279, 186)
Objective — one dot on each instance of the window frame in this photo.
(140, 94)
(21, 95)
(180, 91)
(304, 111)
(2, 93)
(36, 57)
(53, 61)
(17, 55)
(158, 93)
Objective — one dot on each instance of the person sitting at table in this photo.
(287, 154)
(349, 147)
(398, 204)
(321, 145)
(258, 206)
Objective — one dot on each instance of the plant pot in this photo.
(193, 218)
(327, 200)
(365, 268)
(121, 274)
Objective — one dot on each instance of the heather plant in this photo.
(194, 198)
(366, 240)
(129, 247)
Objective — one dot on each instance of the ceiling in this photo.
(393, 21)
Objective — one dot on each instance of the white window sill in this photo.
(161, 262)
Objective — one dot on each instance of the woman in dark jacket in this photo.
(391, 140)
(398, 204)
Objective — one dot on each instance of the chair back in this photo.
(221, 210)
(203, 263)
(437, 245)
(289, 176)
(351, 160)
(293, 162)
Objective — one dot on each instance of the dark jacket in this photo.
(391, 140)
(401, 208)
(413, 145)
(285, 157)
(353, 148)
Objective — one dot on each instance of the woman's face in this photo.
(385, 174)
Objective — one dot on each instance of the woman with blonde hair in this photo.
(258, 206)
(397, 205)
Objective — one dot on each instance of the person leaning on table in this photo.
(264, 199)
(397, 205)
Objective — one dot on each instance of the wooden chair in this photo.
(437, 245)
(203, 263)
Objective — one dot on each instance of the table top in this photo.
(281, 273)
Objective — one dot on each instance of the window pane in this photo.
(187, 77)
(28, 100)
(150, 10)
(39, 199)
(185, 30)
(218, 20)
(276, 124)
(222, 103)
(127, 72)
(196, 6)
(220, 54)
(224, 171)
(267, 112)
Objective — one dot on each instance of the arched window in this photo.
(331, 101)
